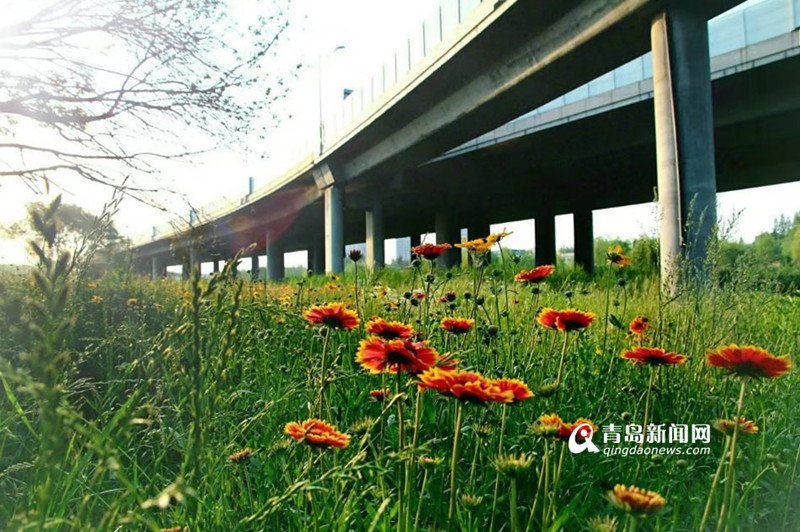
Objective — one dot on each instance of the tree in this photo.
(98, 88)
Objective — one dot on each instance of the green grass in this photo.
(159, 382)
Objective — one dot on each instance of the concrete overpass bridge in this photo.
(496, 122)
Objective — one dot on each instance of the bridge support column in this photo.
(254, 266)
(215, 265)
(583, 230)
(375, 238)
(158, 268)
(545, 239)
(447, 232)
(275, 266)
(684, 139)
(316, 256)
(190, 261)
(334, 228)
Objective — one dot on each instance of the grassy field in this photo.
(130, 404)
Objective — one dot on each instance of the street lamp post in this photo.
(319, 94)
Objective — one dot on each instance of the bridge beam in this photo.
(684, 138)
(375, 238)
(275, 265)
(545, 238)
(583, 230)
(447, 232)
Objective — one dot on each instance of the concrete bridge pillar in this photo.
(334, 228)
(375, 238)
(583, 229)
(254, 266)
(158, 268)
(215, 265)
(275, 266)
(190, 261)
(415, 239)
(684, 138)
(447, 232)
(545, 239)
(316, 256)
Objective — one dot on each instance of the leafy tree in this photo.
(100, 88)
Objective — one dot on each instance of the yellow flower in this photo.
(132, 302)
(479, 245)
(615, 256)
(97, 298)
(497, 237)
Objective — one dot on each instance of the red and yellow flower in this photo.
(389, 330)
(572, 320)
(379, 355)
(547, 318)
(465, 385)
(457, 325)
(317, 433)
(616, 257)
(566, 429)
(334, 315)
(548, 425)
(636, 500)
(430, 251)
(478, 245)
(728, 426)
(639, 325)
(536, 275)
(652, 356)
(749, 361)
(517, 387)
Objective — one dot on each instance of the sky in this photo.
(340, 42)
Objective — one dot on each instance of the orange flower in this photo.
(727, 426)
(317, 433)
(132, 302)
(97, 298)
(240, 456)
(479, 245)
(380, 395)
(457, 325)
(566, 429)
(517, 387)
(535, 275)
(639, 325)
(334, 315)
(571, 320)
(389, 330)
(636, 500)
(749, 361)
(465, 385)
(547, 318)
(378, 355)
(652, 356)
(547, 426)
(430, 251)
(615, 256)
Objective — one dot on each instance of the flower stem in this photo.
(400, 443)
(513, 503)
(714, 484)
(453, 460)
(561, 362)
(497, 474)
(730, 492)
(421, 496)
(323, 374)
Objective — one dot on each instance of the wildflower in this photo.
(536, 275)
(317, 433)
(330, 286)
(418, 295)
(652, 356)
(470, 502)
(457, 325)
(566, 430)
(334, 315)
(749, 361)
(497, 237)
(727, 426)
(464, 385)
(513, 466)
(616, 257)
(517, 387)
(97, 298)
(91, 285)
(430, 251)
(428, 462)
(546, 390)
(571, 320)
(482, 429)
(378, 355)
(635, 500)
(175, 529)
(478, 245)
(362, 426)
(241, 456)
(547, 318)
(280, 445)
(131, 302)
(639, 325)
(380, 395)
(547, 426)
(603, 524)
(450, 296)
(355, 254)
(158, 306)
(389, 330)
